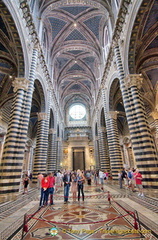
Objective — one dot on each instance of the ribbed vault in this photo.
(74, 36)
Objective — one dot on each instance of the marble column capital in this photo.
(20, 83)
(42, 116)
(154, 114)
(37, 45)
(115, 43)
(133, 80)
(52, 131)
(112, 115)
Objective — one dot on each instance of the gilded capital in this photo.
(133, 80)
(42, 116)
(154, 114)
(112, 114)
(20, 83)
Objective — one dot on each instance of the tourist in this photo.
(101, 177)
(67, 183)
(25, 183)
(39, 179)
(138, 179)
(80, 183)
(51, 180)
(74, 186)
(44, 191)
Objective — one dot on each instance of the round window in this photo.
(77, 111)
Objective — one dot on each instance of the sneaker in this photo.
(138, 194)
(142, 195)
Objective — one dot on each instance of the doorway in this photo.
(78, 158)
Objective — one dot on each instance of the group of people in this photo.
(74, 181)
(47, 182)
(131, 178)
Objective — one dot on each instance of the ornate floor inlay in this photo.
(82, 221)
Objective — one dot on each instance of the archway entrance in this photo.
(78, 158)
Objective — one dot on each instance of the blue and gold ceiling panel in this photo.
(3, 48)
(87, 83)
(152, 19)
(57, 25)
(61, 62)
(75, 35)
(74, 10)
(90, 61)
(76, 67)
(93, 25)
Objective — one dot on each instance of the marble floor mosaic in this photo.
(91, 221)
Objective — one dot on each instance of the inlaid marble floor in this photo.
(82, 221)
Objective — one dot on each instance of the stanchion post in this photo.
(136, 213)
(24, 226)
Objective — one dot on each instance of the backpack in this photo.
(129, 175)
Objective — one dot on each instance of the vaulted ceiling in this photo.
(74, 36)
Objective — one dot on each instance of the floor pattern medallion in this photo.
(82, 221)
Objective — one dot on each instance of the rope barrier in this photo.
(72, 223)
(131, 213)
(86, 196)
(109, 197)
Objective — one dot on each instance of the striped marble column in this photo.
(142, 140)
(28, 101)
(103, 150)
(154, 125)
(51, 158)
(97, 156)
(40, 158)
(59, 152)
(142, 143)
(14, 146)
(114, 145)
(116, 163)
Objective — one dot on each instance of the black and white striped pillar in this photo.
(96, 152)
(142, 143)
(116, 163)
(51, 158)
(103, 150)
(142, 140)
(40, 159)
(14, 146)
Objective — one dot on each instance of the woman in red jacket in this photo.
(44, 191)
